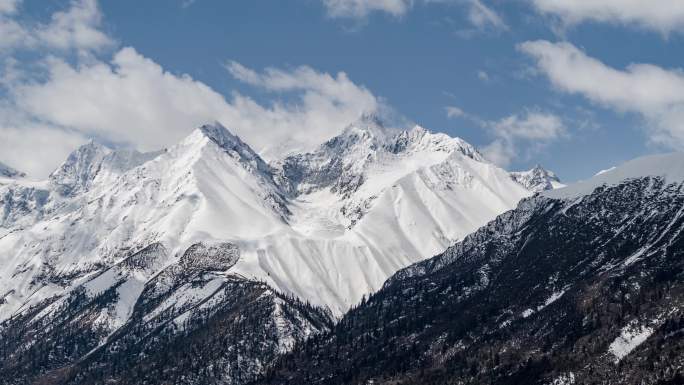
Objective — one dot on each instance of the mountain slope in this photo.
(60, 232)
(191, 320)
(575, 286)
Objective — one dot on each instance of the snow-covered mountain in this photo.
(327, 226)
(537, 179)
(131, 245)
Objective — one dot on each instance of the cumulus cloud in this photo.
(660, 15)
(655, 93)
(516, 136)
(134, 101)
(522, 135)
(34, 147)
(8, 6)
(77, 28)
(324, 104)
(130, 100)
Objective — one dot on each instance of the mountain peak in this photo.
(87, 161)
(419, 138)
(220, 135)
(231, 143)
(537, 179)
(80, 167)
(370, 118)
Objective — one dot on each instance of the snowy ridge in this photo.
(327, 226)
(668, 166)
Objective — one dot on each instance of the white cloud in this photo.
(134, 101)
(480, 16)
(655, 93)
(359, 9)
(77, 27)
(659, 15)
(130, 100)
(325, 103)
(338, 89)
(483, 17)
(52, 104)
(454, 112)
(13, 34)
(531, 130)
(8, 6)
(482, 75)
(35, 148)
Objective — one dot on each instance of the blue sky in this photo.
(527, 81)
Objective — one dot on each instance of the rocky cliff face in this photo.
(190, 320)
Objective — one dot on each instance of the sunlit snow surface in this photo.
(412, 204)
(668, 166)
(630, 337)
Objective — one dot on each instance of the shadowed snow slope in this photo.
(327, 226)
(8, 172)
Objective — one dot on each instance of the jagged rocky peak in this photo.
(371, 129)
(9, 172)
(369, 132)
(342, 162)
(80, 168)
(537, 179)
(219, 134)
(89, 160)
(420, 139)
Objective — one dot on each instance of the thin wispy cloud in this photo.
(454, 112)
(483, 17)
(478, 15)
(359, 9)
